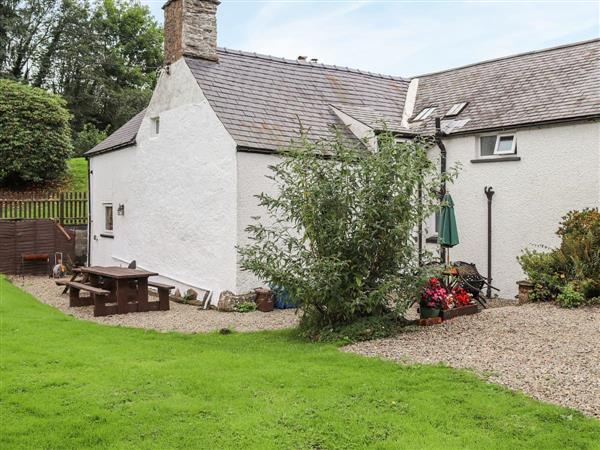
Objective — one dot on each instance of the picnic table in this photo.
(117, 290)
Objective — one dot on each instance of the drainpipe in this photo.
(489, 193)
(420, 231)
(443, 153)
(89, 199)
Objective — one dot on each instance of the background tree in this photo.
(102, 57)
(339, 235)
(36, 137)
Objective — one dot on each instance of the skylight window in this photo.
(456, 109)
(425, 113)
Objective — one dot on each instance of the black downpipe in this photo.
(489, 193)
(443, 153)
(89, 237)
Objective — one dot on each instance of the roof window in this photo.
(456, 109)
(425, 113)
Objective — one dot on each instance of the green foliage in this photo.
(101, 56)
(571, 273)
(69, 384)
(35, 138)
(363, 329)
(245, 307)
(87, 138)
(543, 270)
(340, 233)
(569, 297)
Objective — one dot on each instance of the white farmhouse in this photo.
(174, 188)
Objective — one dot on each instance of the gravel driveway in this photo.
(549, 353)
(182, 318)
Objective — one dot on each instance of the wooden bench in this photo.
(163, 294)
(97, 297)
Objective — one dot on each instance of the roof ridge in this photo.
(502, 58)
(310, 64)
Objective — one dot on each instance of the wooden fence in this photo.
(69, 208)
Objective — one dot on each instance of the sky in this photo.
(402, 38)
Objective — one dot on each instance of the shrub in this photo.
(35, 137)
(543, 270)
(363, 329)
(571, 273)
(569, 297)
(340, 234)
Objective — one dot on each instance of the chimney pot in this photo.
(302, 58)
(314, 60)
(190, 29)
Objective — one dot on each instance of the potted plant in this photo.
(433, 296)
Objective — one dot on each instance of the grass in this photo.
(68, 383)
(77, 174)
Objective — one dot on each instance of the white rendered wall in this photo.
(252, 169)
(179, 190)
(558, 172)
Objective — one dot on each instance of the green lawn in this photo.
(77, 174)
(68, 383)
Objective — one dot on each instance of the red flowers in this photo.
(436, 296)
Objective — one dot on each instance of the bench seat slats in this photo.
(160, 285)
(87, 287)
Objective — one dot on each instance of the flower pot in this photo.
(428, 312)
(460, 311)
(264, 300)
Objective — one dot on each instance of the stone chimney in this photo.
(190, 29)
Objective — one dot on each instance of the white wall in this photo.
(252, 169)
(558, 172)
(179, 189)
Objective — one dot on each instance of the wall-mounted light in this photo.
(121, 209)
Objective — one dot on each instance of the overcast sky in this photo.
(400, 37)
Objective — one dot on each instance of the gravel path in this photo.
(182, 318)
(549, 353)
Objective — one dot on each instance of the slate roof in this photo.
(543, 86)
(261, 100)
(122, 137)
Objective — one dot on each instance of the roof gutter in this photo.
(567, 120)
(110, 149)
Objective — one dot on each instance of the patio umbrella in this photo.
(448, 233)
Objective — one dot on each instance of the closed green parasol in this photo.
(448, 233)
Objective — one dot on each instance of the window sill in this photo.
(106, 235)
(496, 159)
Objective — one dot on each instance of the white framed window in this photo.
(155, 121)
(456, 109)
(108, 217)
(424, 114)
(497, 145)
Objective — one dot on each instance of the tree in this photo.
(102, 57)
(35, 137)
(87, 138)
(339, 236)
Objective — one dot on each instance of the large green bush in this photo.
(35, 137)
(340, 237)
(570, 273)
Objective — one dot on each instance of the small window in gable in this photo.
(456, 109)
(108, 218)
(499, 144)
(425, 113)
(155, 125)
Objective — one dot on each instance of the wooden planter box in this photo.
(462, 311)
